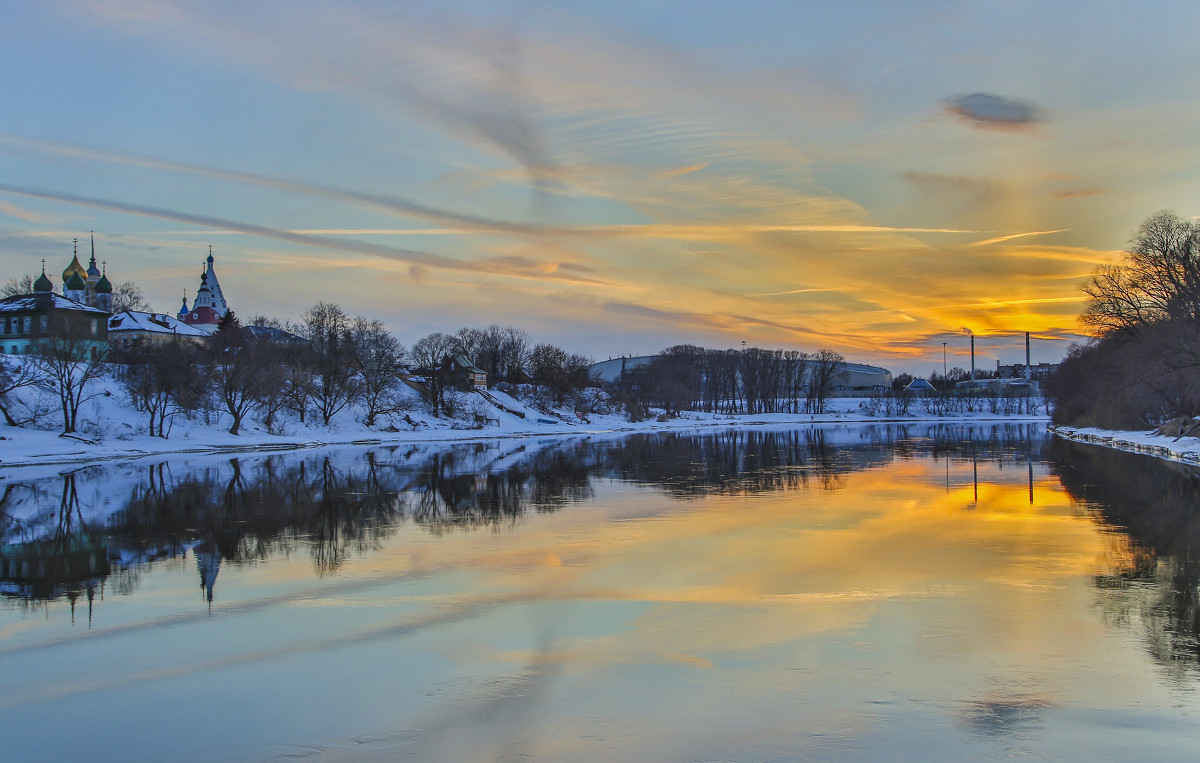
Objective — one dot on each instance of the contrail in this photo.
(1017, 235)
(795, 291)
(322, 242)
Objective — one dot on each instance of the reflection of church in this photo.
(208, 562)
(209, 307)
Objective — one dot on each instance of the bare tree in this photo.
(824, 372)
(332, 358)
(15, 375)
(1143, 366)
(16, 286)
(428, 355)
(676, 378)
(243, 371)
(469, 341)
(70, 362)
(380, 358)
(558, 372)
(128, 296)
(162, 381)
(1158, 279)
(795, 372)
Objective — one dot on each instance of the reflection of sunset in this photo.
(921, 591)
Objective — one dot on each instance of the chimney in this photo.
(1028, 373)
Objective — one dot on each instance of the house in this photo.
(26, 319)
(130, 328)
(460, 373)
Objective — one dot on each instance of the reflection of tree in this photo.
(453, 491)
(352, 514)
(736, 461)
(1156, 584)
(257, 507)
(71, 561)
(342, 503)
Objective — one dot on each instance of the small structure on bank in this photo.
(920, 387)
(463, 374)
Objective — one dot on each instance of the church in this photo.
(87, 287)
(86, 301)
(209, 306)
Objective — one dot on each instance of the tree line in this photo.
(1141, 366)
(313, 369)
(752, 380)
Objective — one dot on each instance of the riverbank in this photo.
(117, 432)
(1182, 449)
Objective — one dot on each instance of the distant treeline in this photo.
(752, 380)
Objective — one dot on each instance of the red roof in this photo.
(202, 316)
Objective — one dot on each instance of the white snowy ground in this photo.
(110, 428)
(1185, 449)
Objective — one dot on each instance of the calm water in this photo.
(843, 593)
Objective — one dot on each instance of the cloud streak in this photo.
(505, 267)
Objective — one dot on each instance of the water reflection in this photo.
(1153, 509)
(67, 534)
(905, 592)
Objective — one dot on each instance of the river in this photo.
(848, 592)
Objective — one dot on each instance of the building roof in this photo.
(465, 364)
(153, 323)
(42, 301)
(203, 316)
(75, 283)
(74, 269)
(272, 333)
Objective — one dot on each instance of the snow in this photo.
(44, 301)
(110, 428)
(1183, 449)
(154, 323)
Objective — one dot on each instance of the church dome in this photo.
(43, 283)
(74, 269)
(103, 286)
(75, 283)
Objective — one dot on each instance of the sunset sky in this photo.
(875, 178)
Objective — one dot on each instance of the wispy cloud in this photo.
(12, 210)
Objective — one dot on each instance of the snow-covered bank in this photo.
(120, 434)
(1182, 449)
(111, 428)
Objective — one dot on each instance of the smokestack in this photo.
(1027, 369)
(972, 357)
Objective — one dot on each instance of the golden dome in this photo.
(74, 267)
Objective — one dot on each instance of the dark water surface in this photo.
(928, 592)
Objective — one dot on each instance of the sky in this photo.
(874, 178)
